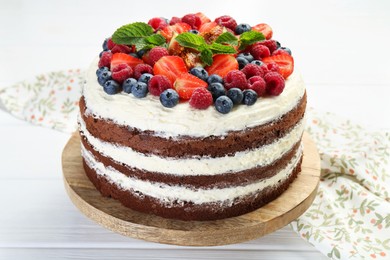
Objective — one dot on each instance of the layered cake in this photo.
(192, 119)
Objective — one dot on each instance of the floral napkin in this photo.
(349, 218)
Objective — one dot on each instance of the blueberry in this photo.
(277, 44)
(104, 45)
(216, 90)
(101, 70)
(193, 31)
(286, 49)
(169, 98)
(200, 72)
(140, 53)
(128, 84)
(242, 62)
(139, 90)
(236, 95)
(145, 78)
(243, 27)
(111, 87)
(257, 62)
(133, 54)
(250, 97)
(223, 104)
(104, 77)
(214, 78)
(247, 56)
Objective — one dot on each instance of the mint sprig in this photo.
(228, 38)
(249, 38)
(196, 42)
(139, 34)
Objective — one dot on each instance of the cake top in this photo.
(195, 60)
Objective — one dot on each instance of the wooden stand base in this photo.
(112, 215)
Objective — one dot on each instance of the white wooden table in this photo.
(341, 48)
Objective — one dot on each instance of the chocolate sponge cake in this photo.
(172, 133)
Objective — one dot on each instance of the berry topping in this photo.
(145, 78)
(201, 98)
(105, 59)
(258, 85)
(141, 69)
(110, 44)
(101, 70)
(193, 31)
(223, 104)
(251, 70)
(157, 53)
(259, 51)
(128, 84)
(104, 45)
(222, 64)
(170, 66)
(178, 28)
(250, 97)
(282, 50)
(193, 20)
(111, 87)
(158, 23)
(121, 48)
(175, 20)
(284, 61)
(273, 67)
(264, 29)
(242, 62)
(247, 56)
(120, 58)
(214, 78)
(235, 79)
(139, 90)
(235, 94)
(169, 98)
(200, 72)
(275, 83)
(227, 21)
(270, 44)
(104, 77)
(121, 72)
(257, 62)
(158, 84)
(241, 28)
(216, 90)
(203, 18)
(186, 83)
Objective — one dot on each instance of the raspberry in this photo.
(157, 53)
(175, 20)
(259, 51)
(227, 21)
(280, 51)
(270, 44)
(105, 59)
(274, 82)
(158, 23)
(273, 67)
(235, 79)
(258, 85)
(251, 70)
(193, 20)
(110, 44)
(121, 72)
(158, 84)
(201, 98)
(141, 69)
(121, 48)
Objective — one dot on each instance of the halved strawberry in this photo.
(120, 58)
(222, 64)
(170, 66)
(206, 27)
(186, 83)
(203, 18)
(211, 31)
(284, 61)
(264, 29)
(168, 31)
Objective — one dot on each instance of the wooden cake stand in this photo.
(112, 215)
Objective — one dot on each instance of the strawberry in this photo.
(284, 61)
(264, 29)
(203, 18)
(222, 64)
(206, 27)
(186, 83)
(168, 31)
(211, 31)
(120, 58)
(170, 66)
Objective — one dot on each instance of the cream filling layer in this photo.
(148, 113)
(169, 194)
(240, 161)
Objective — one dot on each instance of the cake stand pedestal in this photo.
(112, 215)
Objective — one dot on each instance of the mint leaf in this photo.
(206, 55)
(227, 38)
(155, 39)
(190, 40)
(248, 38)
(217, 48)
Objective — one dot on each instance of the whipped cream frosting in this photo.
(148, 113)
(206, 165)
(170, 193)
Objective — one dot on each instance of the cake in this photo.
(192, 119)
